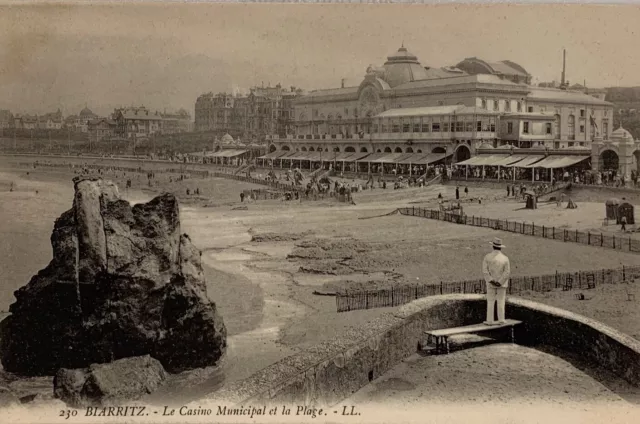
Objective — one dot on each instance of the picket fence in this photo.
(627, 244)
(582, 280)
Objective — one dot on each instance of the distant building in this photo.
(136, 122)
(6, 119)
(80, 123)
(25, 122)
(265, 111)
(178, 122)
(101, 129)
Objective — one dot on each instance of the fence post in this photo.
(556, 278)
(441, 287)
(554, 232)
(614, 241)
(576, 236)
(533, 228)
(589, 238)
(624, 275)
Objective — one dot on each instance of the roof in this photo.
(434, 73)
(621, 133)
(463, 79)
(330, 92)
(564, 96)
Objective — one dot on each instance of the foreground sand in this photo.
(268, 302)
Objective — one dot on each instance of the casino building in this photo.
(407, 113)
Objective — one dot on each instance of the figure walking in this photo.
(623, 223)
(496, 269)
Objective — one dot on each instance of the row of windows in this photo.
(496, 105)
(426, 127)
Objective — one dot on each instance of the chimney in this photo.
(563, 83)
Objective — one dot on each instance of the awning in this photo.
(358, 156)
(488, 160)
(413, 158)
(388, 158)
(526, 161)
(273, 155)
(230, 153)
(432, 157)
(510, 159)
(373, 156)
(553, 162)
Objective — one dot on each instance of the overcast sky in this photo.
(164, 56)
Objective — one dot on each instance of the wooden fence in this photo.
(626, 244)
(352, 301)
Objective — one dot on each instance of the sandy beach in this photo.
(264, 263)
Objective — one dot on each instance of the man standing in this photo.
(496, 269)
(457, 193)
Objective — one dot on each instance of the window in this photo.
(492, 124)
(509, 127)
(572, 126)
(479, 126)
(571, 143)
(459, 126)
(582, 144)
(384, 128)
(406, 127)
(395, 127)
(416, 127)
(435, 127)
(556, 145)
(484, 103)
(525, 128)
(519, 106)
(582, 113)
(496, 104)
(375, 128)
(581, 129)
(426, 125)
(507, 106)
(468, 126)
(530, 109)
(453, 127)
(548, 128)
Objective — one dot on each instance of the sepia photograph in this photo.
(319, 213)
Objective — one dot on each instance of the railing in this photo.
(626, 244)
(370, 299)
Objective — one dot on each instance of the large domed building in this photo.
(405, 108)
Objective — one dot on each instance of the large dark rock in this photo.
(123, 282)
(109, 384)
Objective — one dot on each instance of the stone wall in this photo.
(332, 371)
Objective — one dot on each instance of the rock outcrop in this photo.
(110, 384)
(123, 282)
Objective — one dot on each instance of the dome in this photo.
(86, 112)
(621, 134)
(227, 139)
(402, 67)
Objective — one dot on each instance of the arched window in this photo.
(387, 149)
(311, 149)
(572, 127)
(304, 149)
(363, 150)
(350, 149)
(285, 148)
(409, 150)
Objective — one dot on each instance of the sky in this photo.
(164, 55)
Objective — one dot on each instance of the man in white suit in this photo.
(496, 269)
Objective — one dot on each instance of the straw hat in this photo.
(497, 242)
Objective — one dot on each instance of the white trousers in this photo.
(494, 294)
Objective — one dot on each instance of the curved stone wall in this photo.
(332, 371)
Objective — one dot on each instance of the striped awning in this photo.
(554, 162)
(528, 160)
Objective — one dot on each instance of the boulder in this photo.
(109, 384)
(123, 282)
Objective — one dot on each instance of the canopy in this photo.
(273, 155)
(510, 159)
(373, 156)
(553, 162)
(413, 158)
(388, 158)
(489, 160)
(528, 160)
(358, 156)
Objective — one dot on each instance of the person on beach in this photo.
(457, 193)
(241, 197)
(496, 269)
(623, 223)
(466, 191)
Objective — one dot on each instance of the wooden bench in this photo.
(442, 336)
